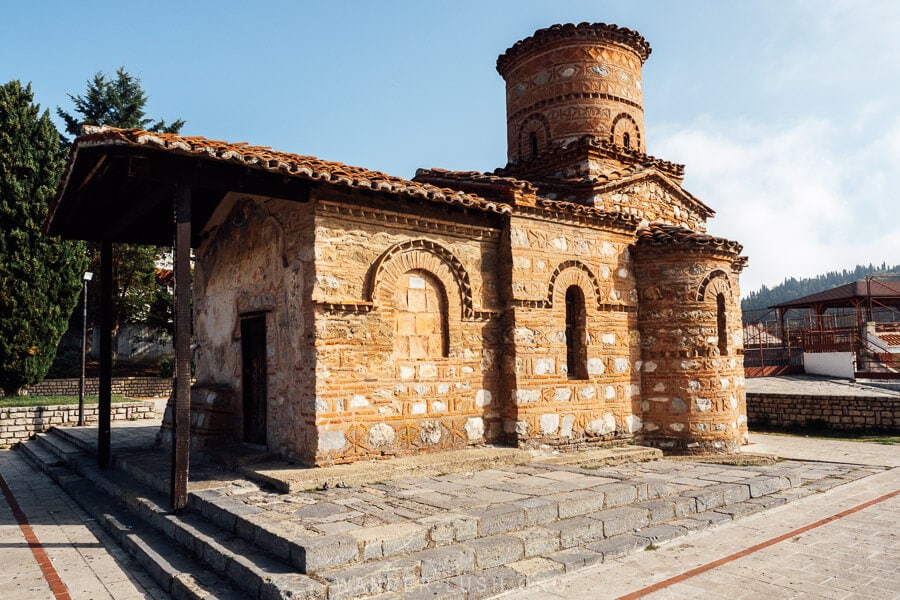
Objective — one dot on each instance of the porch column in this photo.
(105, 402)
(181, 416)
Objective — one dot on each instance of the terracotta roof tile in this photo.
(264, 157)
(568, 31)
(658, 234)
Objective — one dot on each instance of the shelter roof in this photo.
(850, 294)
(122, 165)
(659, 235)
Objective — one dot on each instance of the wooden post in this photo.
(181, 426)
(105, 402)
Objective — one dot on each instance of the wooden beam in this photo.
(217, 175)
(105, 401)
(181, 426)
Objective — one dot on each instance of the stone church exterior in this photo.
(570, 298)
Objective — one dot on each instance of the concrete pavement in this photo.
(728, 555)
(83, 556)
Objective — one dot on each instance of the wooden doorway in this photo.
(255, 374)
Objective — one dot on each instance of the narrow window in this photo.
(626, 140)
(532, 137)
(576, 354)
(721, 324)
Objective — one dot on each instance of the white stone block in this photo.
(563, 394)
(633, 423)
(595, 366)
(407, 372)
(482, 398)
(549, 423)
(358, 401)
(676, 427)
(621, 365)
(704, 404)
(474, 428)
(524, 396)
(610, 392)
(543, 366)
(419, 408)
(568, 422)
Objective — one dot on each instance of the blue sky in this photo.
(785, 112)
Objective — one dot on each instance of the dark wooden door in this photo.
(253, 353)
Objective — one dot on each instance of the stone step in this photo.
(224, 556)
(178, 574)
(570, 518)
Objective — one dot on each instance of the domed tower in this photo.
(570, 81)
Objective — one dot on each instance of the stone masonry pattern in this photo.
(570, 298)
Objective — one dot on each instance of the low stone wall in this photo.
(843, 413)
(18, 423)
(132, 387)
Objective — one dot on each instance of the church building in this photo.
(570, 298)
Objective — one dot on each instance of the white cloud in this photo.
(800, 200)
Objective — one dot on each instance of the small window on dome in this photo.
(532, 138)
(626, 140)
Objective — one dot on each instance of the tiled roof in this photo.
(597, 144)
(263, 157)
(474, 177)
(568, 31)
(844, 295)
(475, 180)
(891, 339)
(583, 210)
(658, 234)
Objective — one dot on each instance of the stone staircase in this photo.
(461, 535)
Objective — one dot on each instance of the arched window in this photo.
(532, 138)
(576, 353)
(721, 324)
(420, 313)
(626, 140)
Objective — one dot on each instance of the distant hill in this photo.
(797, 288)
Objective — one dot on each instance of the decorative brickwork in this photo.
(572, 298)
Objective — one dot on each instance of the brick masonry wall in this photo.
(571, 89)
(390, 286)
(18, 423)
(693, 383)
(547, 405)
(843, 413)
(132, 387)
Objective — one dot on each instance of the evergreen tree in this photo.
(120, 102)
(40, 277)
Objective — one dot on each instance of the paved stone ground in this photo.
(89, 564)
(856, 556)
(395, 518)
(808, 385)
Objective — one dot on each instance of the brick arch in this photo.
(716, 281)
(569, 273)
(535, 123)
(622, 124)
(420, 255)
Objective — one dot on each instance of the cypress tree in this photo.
(40, 277)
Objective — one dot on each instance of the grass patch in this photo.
(10, 401)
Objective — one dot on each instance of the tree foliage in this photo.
(117, 102)
(120, 102)
(792, 288)
(40, 277)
